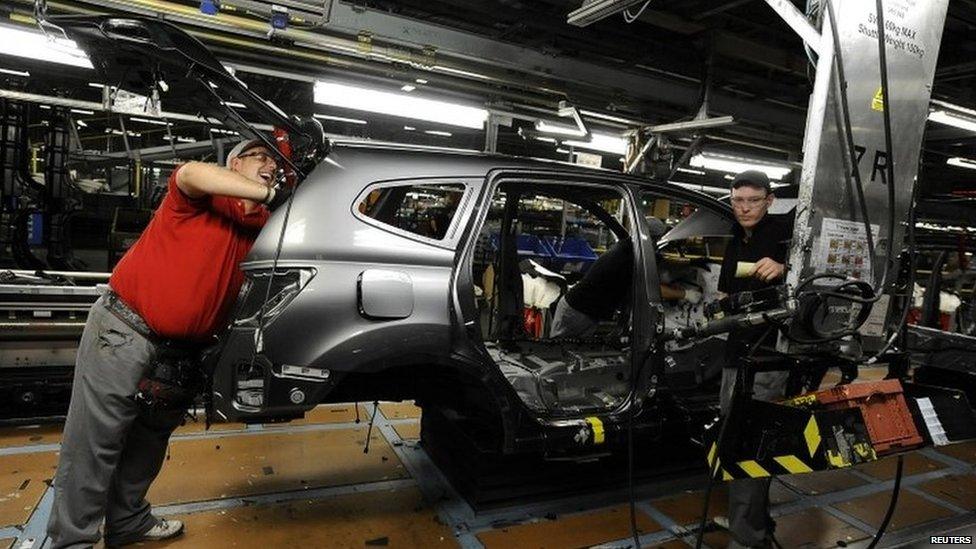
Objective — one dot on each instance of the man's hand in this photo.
(277, 197)
(767, 269)
(693, 296)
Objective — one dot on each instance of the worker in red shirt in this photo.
(171, 291)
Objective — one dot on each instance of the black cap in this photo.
(752, 178)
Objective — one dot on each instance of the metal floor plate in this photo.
(308, 483)
(912, 510)
(269, 461)
(571, 530)
(23, 479)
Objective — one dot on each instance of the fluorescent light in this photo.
(543, 126)
(962, 163)
(149, 121)
(546, 139)
(953, 119)
(408, 88)
(611, 144)
(34, 45)
(15, 73)
(180, 139)
(564, 151)
(438, 132)
(694, 172)
(95, 85)
(119, 132)
(81, 123)
(340, 119)
(82, 111)
(234, 104)
(420, 81)
(397, 104)
(226, 132)
(732, 164)
(409, 128)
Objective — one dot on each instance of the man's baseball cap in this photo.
(243, 147)
(752, 178)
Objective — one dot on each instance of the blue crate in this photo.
(530, 246)
(571, 250)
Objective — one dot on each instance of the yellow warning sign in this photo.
(877, 104)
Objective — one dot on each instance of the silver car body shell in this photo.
(326, 328)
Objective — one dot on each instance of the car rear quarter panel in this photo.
(324, 327)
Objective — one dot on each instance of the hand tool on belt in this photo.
(174, 376)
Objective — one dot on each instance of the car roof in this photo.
(404, 161)
(467, 157)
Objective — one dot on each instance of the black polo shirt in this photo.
(770, 238)
(606, 284)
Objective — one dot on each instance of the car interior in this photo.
(537, 243)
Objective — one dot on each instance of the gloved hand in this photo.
(278, 197)
(693, 296)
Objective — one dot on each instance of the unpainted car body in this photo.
(399, 272)
(375, 312)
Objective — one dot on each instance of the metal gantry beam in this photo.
(388, 38)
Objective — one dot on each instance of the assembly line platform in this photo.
(309, 484)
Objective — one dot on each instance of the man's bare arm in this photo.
(198, 179)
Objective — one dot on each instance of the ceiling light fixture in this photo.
(960, 162)
(611, 144)
(734, 164)
(398, 104)
(594, 10)
(438, 132)
(25, 74)
(340, 119)
(546, 127)
(407, 88)
(953, 119)
(34, 45)
(149, 121)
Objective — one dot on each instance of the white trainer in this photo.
(164, 529)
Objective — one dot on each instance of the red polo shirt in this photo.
(182, 276)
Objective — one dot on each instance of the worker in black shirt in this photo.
(605, 287)
(754, 260)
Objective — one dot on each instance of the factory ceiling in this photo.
(522, 56)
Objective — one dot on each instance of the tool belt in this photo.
(174, 376)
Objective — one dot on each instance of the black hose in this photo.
(889, 149)
(891, 505)
(849, 134)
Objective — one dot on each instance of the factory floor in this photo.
(309, 484)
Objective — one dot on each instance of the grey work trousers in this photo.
(749, 521)
(112, 448)
(568, 322)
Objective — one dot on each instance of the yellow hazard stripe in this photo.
(726, 475)
(792, 464)
(837, 459)
(812, 434)
(597, 426)
(753, 469)
(711, 455)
